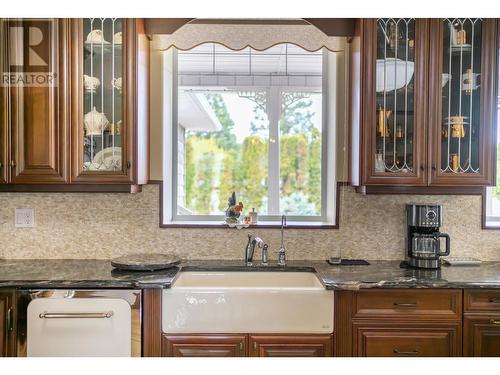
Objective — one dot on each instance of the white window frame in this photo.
(331, 116)
(491, 221)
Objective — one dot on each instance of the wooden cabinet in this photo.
(482, 335)
(34, 132)
(482, 323)
(79, 119)
(373, 339)
(290, 345)
(204, 345)
(423, 104)
(110, 59)
(242, 345)
(398, 322)
(7, 340)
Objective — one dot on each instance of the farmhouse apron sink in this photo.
(247, 302)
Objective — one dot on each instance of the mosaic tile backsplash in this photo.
(102, 226)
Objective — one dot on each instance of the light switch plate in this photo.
(25, 217)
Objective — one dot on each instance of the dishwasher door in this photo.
(80, 323)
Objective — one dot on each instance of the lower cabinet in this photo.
(204, 345)
(407, 340)
(291, 346)
(482, 336)
(242, 345)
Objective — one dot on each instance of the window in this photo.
(253, 122)
(493, 193)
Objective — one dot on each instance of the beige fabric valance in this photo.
(239, 36)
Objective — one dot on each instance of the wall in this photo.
(79, 225)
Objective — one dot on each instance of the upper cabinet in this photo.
(34, 125)
(85, 128)
(423, 103)
(463, 96)
(109, 115)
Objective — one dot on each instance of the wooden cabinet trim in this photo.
(151, 323)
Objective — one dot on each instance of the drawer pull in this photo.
(255, 345)
(493, 321)
(241, 346)
(494, 300)
(413, 352)
(409, 304)
(72, 315)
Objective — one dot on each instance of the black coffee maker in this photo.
(423, 249)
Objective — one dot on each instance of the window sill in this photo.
(492, 225)
(262, 225)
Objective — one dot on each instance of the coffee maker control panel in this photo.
(424, 215)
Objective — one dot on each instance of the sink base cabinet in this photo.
(7, 342)
(204, 345)
(241, 345)
(406, 340)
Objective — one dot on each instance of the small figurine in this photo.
(233, 210)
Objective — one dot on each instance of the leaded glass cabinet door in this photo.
(462, 109)
(101, 152)
(395, 78)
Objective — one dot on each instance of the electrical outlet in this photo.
(25, 217)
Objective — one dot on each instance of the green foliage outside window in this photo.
(216, 165)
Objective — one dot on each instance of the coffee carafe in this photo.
(423, 236)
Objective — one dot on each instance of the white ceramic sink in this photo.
(247, 302)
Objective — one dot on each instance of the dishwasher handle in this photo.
(75, 315)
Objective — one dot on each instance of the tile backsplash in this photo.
(81, 225)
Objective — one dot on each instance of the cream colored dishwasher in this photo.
(79, 323)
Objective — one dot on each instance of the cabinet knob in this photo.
(12, 164)
(422, 168)
(433, 167)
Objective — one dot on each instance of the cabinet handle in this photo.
(241, 346)
(495, 300)
(8, 322)
(433, 168)
(422, 168)
(413, 352)
(129, 164)
(409, 304)
(255, 345)
(1, 165)
(75, 315)
(493, 321)
(12, 164)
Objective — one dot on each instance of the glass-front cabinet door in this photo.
(100, 150)
(395, 74)
(462, 91)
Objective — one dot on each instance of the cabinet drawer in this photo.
(204, 345)
(291, 345)
(482, 336)
(481, 300)
(408, 304)
(407, 340)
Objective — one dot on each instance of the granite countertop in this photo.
(379, 274)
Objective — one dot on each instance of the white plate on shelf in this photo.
(399, 74)
(105, 160)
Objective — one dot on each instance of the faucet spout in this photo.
(250, 248)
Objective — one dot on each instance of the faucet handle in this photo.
(265, 254)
